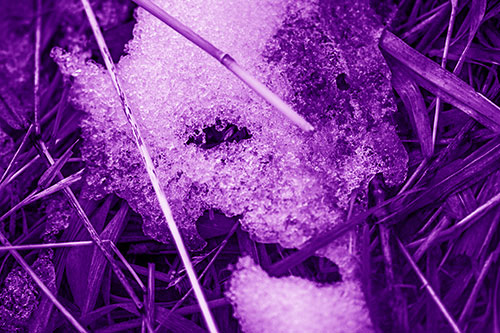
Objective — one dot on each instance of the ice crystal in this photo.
(292, 304)
(58, 213)
(19, 296)
(288, 185)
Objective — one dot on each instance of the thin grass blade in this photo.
(49, 175)
(429, 289)
(150, 168)
(98, 262)
(476, 15)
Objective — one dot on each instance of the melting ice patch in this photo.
(320, 56)
(292, 304)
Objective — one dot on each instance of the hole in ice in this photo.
(316, 269)
(341, 82)
(212, 136)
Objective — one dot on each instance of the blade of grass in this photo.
(451, 23)
(492, 258)
(150, 296)
(126, 264)
(76, 260)
(424, 21)
(8, 113)
(60, 185)
(489, 235)
(429, 239)
(16, 154)
(467, 221)
(219, 250)
(174, 322)
(378, 194)
(429, 289)
(43, 151)
(49, 175)
(459, 174)
(442, 83)
(150, 168)
(496, 304)
(98, 262)
(190, 309)
(227, 61)
(126, 326)
(476, 15)
(19, 172)
(414, 103)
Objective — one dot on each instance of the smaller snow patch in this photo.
(292, 304)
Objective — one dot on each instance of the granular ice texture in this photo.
(320, 56)
(58, 213)
(292, 304)
(6, 150)
(19, 296)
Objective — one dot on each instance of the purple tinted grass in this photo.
(453, 14)
(458, 177)
(429, 289)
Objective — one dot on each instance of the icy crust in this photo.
(6, 150)
(288, 185)
(19, 296)
(291, 304)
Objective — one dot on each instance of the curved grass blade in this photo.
(414, 102)
(442, 83)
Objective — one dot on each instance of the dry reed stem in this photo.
(46, 246)
(150, 168)
(227, 61)
(210, 263)
(36, 77)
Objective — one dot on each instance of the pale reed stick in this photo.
(151, 170)
(227, 61)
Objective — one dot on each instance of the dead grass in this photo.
(429, 249)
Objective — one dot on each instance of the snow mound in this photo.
(288, 185)
(291, 304)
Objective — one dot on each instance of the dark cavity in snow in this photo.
(211, 136)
